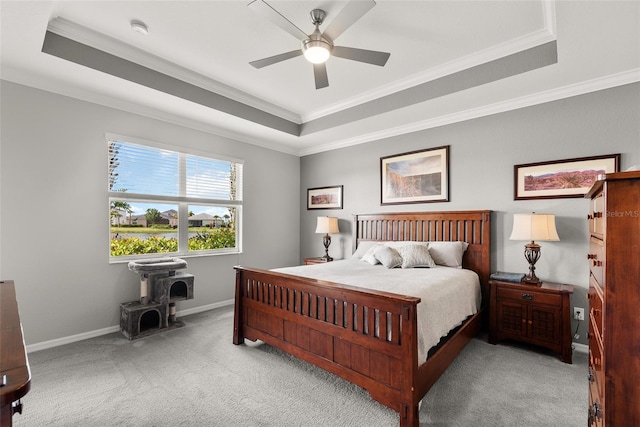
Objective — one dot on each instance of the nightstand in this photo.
(538, 315)
(318, 260)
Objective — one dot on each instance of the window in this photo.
(163, 201)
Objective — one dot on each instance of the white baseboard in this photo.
(71, 339)
(202, 308)
(111, 329)
(580, 348)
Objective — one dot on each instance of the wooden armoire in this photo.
(614, 300)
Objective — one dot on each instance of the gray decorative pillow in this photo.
(415, 255)
(448, 254)
(388, 257)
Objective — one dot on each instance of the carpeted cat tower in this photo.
(160, 288)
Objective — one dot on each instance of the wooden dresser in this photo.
(15, 375)
(614, 300)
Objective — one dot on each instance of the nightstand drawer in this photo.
(529, 295)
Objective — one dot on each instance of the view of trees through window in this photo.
(166, 202)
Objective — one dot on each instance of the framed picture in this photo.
(415, 177)
(561, 178)
(324, 197)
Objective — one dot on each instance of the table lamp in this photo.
(531, 227)
(327, 225)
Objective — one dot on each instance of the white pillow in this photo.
(448, 254)
(363, 247)
(369, 256)
(415, 255)
(388, 257)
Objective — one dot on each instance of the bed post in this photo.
(238, 336)
(409, 410)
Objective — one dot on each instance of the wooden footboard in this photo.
(366, 337)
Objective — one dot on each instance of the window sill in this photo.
(129, 258)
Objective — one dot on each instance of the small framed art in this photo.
(561, 178)
(325, 197)
(415, 177)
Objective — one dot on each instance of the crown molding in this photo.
(569, 91)
(81, 34)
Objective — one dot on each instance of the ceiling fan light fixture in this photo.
(316, 51)
(318, 47)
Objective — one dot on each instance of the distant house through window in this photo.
(165, 201)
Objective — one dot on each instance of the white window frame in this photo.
(182, 201)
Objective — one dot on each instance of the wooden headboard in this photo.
(473, 227)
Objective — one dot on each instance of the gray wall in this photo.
(482, 155)
(54, 225)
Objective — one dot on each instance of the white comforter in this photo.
(449, 295)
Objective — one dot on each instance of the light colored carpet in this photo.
(195, 376)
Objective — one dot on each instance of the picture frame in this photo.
(561, 178)
(415, 177)
(325, 197)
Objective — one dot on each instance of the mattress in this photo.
(448, 295)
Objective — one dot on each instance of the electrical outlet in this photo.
(578, 313)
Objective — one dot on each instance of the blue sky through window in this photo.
(155, 172)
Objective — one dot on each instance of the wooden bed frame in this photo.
(324, 322)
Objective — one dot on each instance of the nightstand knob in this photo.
(591, 256)
(589, 216)
(527, 296)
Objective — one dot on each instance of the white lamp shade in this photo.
(327, 225)
(533, 226)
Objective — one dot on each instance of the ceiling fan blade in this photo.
(320, 75)
(362, 55)
(353, 11)
(264, 9)
(276, 58)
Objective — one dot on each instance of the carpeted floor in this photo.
(195, 376)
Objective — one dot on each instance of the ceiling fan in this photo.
(318, 46)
